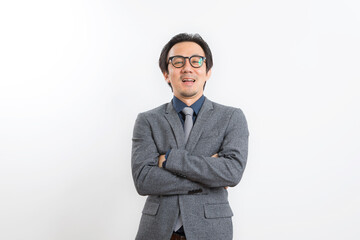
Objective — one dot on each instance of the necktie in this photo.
(188, 111)
(188, 124)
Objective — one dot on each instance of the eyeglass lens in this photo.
(195, 61)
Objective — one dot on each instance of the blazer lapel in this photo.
(175, 123)
(200, 123)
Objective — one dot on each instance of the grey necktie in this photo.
(188, 111)
(188, 124)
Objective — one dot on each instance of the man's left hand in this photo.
(161, 160)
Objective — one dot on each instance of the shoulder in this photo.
(233, 116)
(155, 112)
(226, 110)
(149, 117)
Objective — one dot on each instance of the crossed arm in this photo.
(162, 159)
(185, 172)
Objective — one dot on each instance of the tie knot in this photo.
(188, 111)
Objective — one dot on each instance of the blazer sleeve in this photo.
(149, 179)
(227, 169)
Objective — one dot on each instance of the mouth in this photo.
(188, 80)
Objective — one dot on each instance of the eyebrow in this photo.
(198, 55)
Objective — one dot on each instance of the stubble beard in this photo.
(188, 94)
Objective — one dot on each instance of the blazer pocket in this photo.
(220, 210)
(151, 208)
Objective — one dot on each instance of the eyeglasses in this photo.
(179, 61)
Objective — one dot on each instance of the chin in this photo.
(189, 95)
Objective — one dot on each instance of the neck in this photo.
(189, 101)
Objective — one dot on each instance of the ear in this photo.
(208, 75)
(166, 76)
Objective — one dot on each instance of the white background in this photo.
(75, 74)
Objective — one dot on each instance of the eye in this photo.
(178, 61)
(196, 61)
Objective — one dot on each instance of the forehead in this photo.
(186, 49)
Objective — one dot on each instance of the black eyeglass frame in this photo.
(171, 58)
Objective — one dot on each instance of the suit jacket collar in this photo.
(172, 117)
(200, 123)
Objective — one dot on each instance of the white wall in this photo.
(75, 74)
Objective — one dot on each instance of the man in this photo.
(186, 153)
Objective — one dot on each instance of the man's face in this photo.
(187, 82)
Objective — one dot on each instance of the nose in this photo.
(187, 66)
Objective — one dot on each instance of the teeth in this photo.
(188, 80)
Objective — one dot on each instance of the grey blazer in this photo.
(193, 182)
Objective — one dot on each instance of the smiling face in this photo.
(187, 82)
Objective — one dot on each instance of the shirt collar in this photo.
(196, 106)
